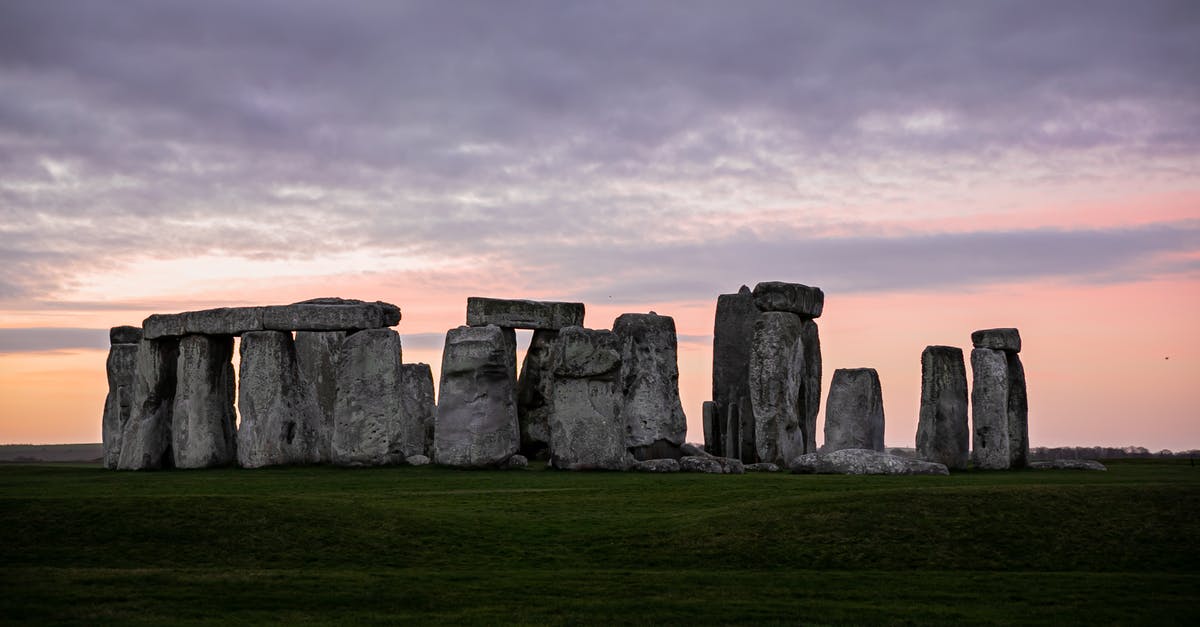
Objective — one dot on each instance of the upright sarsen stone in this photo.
(586, 429)
(942, 432)
(204, 424)
(733, 419)
(317, 355)
(1018, 413)
(854, 413)
(776, 373)
(418, 407)
(368, 426)
(989, 409)
(655, 424)
(122, 357)
(535, 393)
(477, 409)
(146, 438)
(281, 420)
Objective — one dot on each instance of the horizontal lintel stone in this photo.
(802, 300)
(324, 314)
(997, 339)
(523, 314)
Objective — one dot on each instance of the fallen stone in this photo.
(989, 409)
(124, 335)
(535, 393)
(146, 438)
(418, 405)
(317, 356)
(762, 467)
(1068, 464)
(854, 413)
(649, 380)
(368, 426)
(942, 432)
(477, 409)
(417, 460)
(203, 422)
(802, 300)
(330, 314)
(733, 418)
(776, 372)
(709, 465)
(731, 466)
(523, 314)
(281, 422)
(516, 462)
(586, 431)
(852, 461)
(997, 339)
(1018, 413)
(118, 404)
(656, 465)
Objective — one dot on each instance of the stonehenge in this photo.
(323, 381)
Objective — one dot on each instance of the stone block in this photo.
(331, 314)
(802, 300)
(368, 425)
(535, 393)
(586, 430)
(124, 335)
(121, 365)
(523, 314)
(733, 418)
(776, 373)
(854, 413)
(146, 438)
(281, 420)
(203, 422)
(942, 432)
(419, 407)
(989, 409)
(1018, 412)
(317, 354)
(477, 410)
(997, 339)
(651, 409)
(853, 461)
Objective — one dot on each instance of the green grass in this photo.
(426, 545)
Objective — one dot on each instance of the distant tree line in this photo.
(1048, 453)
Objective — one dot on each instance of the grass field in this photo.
(427, 545)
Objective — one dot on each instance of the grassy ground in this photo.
(85, 545)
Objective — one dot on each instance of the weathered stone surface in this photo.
(688, 448)
(854, 413)
(708, 412)
(158, 326)
(689, 463)
(418, 406)
(535, 393)
(586, 431)
(989, 409)
(656, 465)
(731, 466)
(477, 409)
(651, 410)
(417, 460)
(516, 462)
(802, 300)
(997, 339)
(942, 432)
(762, 467)
(203, 423)
(281, 421)
(124, 335)
(776, 372)
(810, 384)
(368, 426)
(223, 321)
(523, 314)
(317, 356)
(1068, 464)
(146, 438)
(330, 314)
(733, 419)
(118, 404)
(1018, 413)
(857, 461)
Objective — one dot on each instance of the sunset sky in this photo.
(935, 167)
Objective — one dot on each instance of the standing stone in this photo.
(733, 419)
(122, 358)
(854, 413)
(418, 406)
(204, 424)
(586, 429)
(708, 410)
(942, 432)
(776, 386)
(477, 409)
(146, 439)
(1018, 412)
(810, 384)
(281, 420)
(654, 421)
(535, 394)
(989, 409)
(368, 428)
(317, 356)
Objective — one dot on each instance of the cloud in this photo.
(42, 339)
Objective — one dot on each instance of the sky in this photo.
(934, 167)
